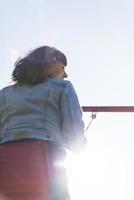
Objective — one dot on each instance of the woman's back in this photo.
(30, 110)
(36, 111)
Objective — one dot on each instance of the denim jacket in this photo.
(47, 111)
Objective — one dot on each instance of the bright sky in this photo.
(98, 39)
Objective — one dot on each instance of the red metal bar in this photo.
(108, 108)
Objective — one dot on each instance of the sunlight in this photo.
(97, 174)
(77, 166)
(101, 172)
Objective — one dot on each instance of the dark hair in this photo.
(35, 67)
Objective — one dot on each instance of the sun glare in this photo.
(77, 168)
(97, 175)
(101, 172)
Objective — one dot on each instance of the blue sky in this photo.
(98, 39)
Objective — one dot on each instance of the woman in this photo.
(41, 109)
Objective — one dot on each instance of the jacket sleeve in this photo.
(1, 104)
(72, 123)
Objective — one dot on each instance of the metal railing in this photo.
(95, 109)
(108, 108)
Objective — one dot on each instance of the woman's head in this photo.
(40, 64)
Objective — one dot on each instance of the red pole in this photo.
(108, 108)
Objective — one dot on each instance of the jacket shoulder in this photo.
(61, 83)
(5, 89)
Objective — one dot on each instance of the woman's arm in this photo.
(72, 123)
